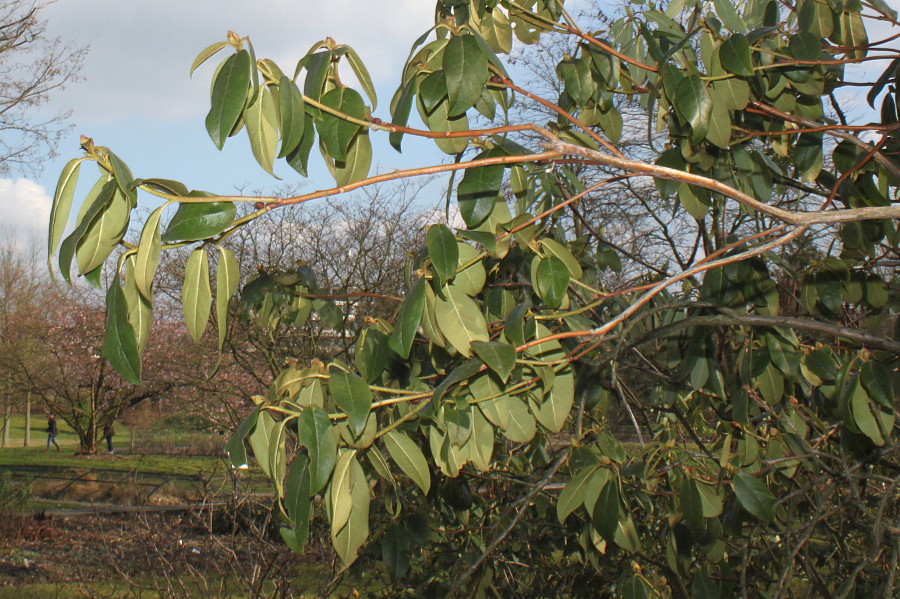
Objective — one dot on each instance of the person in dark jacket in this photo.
(52, 432)
(108, 432)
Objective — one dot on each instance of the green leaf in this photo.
(868, 419)
(352, 395)
(297, 501)
(315, 433)
(339, 492)
(465, 69)
(104, 232)
(292, 113)
(816, 17)
(477, 193)
(552, 281)
(499, 357)
(709, 500)
(354, 533)
(237, 452)
(770, 384)
(62, 204)
(195, 221)
(470, 273)
(317, 67)
(691, 504)
(408, 320)
(362, 75)
(298, 159)
(694, 105)
(876, 378)
(572, 495)
(196, 294)
(521, 426)
(261, 119)
(554, 410)
(124, 178)
(563, 253)
(206, 54)
(336, 133)
(605, 516)
(371, 353)
(148, 252)
(443, 251)
(228, 277)
(735, 56)
(228, 96)
(407, 455)
(120, 343)
(720, 122)
(805, 46)
(460, 320)
(358, 162)
(754, 497)
(140, 309)
(262, 439)
(400, 111)
(727, 12)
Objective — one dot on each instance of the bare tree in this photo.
(32, 67)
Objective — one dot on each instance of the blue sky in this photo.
(136, 96)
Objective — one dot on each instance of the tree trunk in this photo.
(7, 416)
(27, 440)
(87, 443)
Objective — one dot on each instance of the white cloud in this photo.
(24, 206)
(141, 51)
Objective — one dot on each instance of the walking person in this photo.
(52, 432)
(108, 432)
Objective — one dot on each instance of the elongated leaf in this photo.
(261, 120)
(195, 221)
(407, 455)
(552, 281)
(104, 232)
(147, 257)
(297, 501)
(729, 16)
(353, 396)
(460, 320)
(206, 54)
(124, 178)
(237, 452)
(228, 277)
(408, 320)
(694, 104)
(339, 492)
(465, 69)
(228, 95)
(355, 167)
(292, 113)
(120, 343)
(443, 251)
(572, 496)
(554, 410)
(315, 433)
(521, 426)
(62, 204)
(362, 74)
(754, 497)
(354, 533)
(261, 440)
(140, 309)
(605, 516)
(477, 193)
(335, 133)
(400, 112)
(196, 293)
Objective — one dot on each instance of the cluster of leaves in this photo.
(496, 384)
